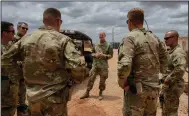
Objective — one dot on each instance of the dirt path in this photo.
(112, 103)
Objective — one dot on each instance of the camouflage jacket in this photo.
(10, 71)
(4, 48)
(177, 65)
(107, 50)
(47, 55)
(18, 57)
(145, 55)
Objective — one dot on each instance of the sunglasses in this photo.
(24, 28)
(166, 38)
(127, 21)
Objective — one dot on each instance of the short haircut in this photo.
(102, 32)
(51, 12)
(5, 26)
(136, 15)
(174, 32)
(20, 23)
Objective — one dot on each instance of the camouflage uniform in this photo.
(48, 58)
(9, 87)
(175, 87)
(144, 54)
(100, 66)
(22, 88)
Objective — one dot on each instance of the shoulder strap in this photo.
(147, 36)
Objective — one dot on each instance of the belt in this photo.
(4, 78)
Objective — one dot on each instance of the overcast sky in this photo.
(93, 17)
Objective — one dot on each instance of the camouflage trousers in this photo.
(103, 72)
(144, 104)
(171, 100)
(9, 97)
(8, 111)
(54, 105)
(22, 92)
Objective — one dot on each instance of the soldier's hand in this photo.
(97, 55)
(121, 83)
(101, 55)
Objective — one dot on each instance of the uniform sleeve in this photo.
(110, 53)
(8, 64)
(125, 55)
(179, 63)
(163, 58)
(73, 56)
(14, 50)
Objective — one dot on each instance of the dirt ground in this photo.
(112, 103)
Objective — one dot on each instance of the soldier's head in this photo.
(52, 17)
(102, 36)
(22, 28)
(7, 32)
(135, 18)
(171, 38)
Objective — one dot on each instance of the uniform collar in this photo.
(103, 43)
(172, 50)
(17, 36)
(139, 29)
(43, 27)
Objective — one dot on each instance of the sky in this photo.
(94, 17)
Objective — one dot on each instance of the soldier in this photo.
(102, 53)
(9, 83)
(141, 57)
(173, 85)
(48, 57)
(22, 28)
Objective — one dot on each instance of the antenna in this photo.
(113, 37)
(146, 24)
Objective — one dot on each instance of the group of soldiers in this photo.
(40, 64)
(13, 89)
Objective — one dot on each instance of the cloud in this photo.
(93, 17)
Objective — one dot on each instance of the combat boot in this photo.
(100, 97)
(85, 95)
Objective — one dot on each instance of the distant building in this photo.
(183, 42)
(115, 45)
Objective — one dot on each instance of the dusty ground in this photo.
(112, 103)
